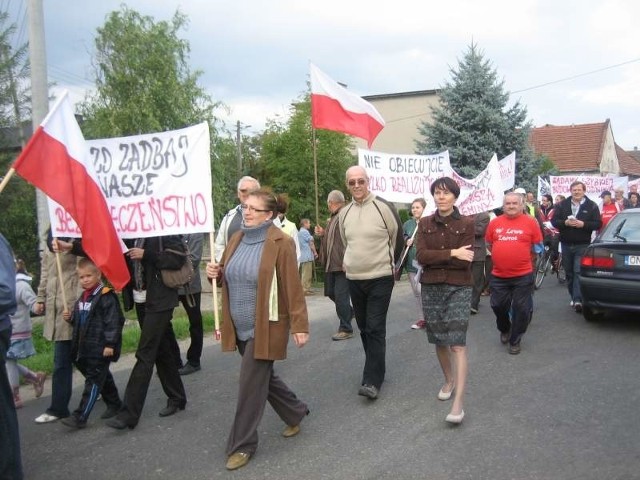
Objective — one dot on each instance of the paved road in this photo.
(566, 408)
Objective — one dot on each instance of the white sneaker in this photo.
(571, 303)
(46, 418)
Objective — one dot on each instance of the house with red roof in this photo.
(584, 149)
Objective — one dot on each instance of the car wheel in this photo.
(591, 315)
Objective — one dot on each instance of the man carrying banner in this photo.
(372, 234)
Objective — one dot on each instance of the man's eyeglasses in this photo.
(252, 209)
(358, 181)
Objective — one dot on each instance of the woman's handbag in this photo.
(178, 278)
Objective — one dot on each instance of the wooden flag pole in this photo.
(6, 178)
(315, 172)
(61, 279)
(214, 291)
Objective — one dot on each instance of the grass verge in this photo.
(43, 360)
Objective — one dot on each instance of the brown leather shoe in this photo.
(291, 431)
(237, 460)
(504, 338)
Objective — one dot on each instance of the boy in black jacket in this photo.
(97, 337)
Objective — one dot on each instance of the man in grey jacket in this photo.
(372, 234)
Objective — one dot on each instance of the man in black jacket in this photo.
(576, 217)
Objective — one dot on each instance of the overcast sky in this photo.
(254, 54)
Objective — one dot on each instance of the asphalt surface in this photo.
(565, 408)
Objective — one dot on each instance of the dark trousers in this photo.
(195, 332)
(97, 380)
(154, 348)
(195, 328)
(62, 379)
(488, 266)
(516, 295)
(477, 271)
(336, 287)
(10, 460)
(259, 385)
(370, 300)
(571, 256)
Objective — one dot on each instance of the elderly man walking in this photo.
(372, 234)
(511, 238)
(336, 286)
(231, 222)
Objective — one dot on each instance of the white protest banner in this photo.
(621, 183)
(402, 178)
(560, 185)
(508, 171)
(154, 184)
(544, 188)
(634, 185)
(485, 191)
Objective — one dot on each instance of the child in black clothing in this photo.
(97, 337)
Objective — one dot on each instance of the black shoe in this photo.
(118, 423)
(369, 391)
(514, 349)
(73, 422)
(188, 369)
(170, 410)
(110, 412)
(504, 338)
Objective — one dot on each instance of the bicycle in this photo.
(560, 273)
(542, 266)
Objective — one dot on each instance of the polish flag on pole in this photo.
(56, 161)
(333, 107)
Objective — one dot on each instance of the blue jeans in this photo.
(515, 294)
(571, 256)
(336, 287)
(370, 300)
(61, 382)
(10, 462)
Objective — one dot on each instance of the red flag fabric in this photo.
(56, 161)
(333, 107)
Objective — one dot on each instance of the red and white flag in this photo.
(333, 107)
(56, 161)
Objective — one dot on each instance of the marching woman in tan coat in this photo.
(263, 302)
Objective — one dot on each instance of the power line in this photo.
(69, 77)
(577, 76)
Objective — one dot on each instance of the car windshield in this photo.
(621, 228)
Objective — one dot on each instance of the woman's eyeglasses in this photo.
(358, 181)
(252, 209)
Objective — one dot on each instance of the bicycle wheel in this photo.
(562, 276)
(542, 266)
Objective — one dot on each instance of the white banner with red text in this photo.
(402, 178)
(154, 184)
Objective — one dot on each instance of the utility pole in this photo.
(239, 146)
(39, 97)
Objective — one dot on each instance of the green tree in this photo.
(144, 85)
(286, 162)
(474, 121)
(18, 222)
